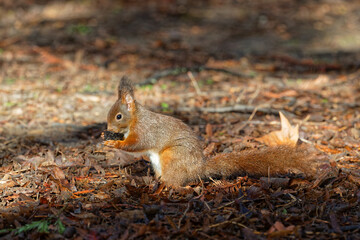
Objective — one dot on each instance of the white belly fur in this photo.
(155, 161)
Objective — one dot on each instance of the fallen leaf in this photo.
(354, 179)
(278, 226)
(209, 149)
(209, 130)
(327, 149)
(84, 191)
(58, 173)
(101, 195)
(288, 93)
(288, 135)
(279, 230)
(7, 184)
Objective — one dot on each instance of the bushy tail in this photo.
(271, 161)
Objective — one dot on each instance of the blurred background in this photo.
(61, 58)
(181, 32)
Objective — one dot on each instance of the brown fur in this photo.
(270, 161)
(180, 153)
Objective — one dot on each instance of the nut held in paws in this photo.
(113, 136)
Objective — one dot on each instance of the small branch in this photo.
(247, 122)
(235, 108)
(222, 70)
(194, 82)
(183, 215)
(232, 221)
(182, 70)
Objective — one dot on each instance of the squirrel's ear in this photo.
(125, 87)
(126, 93)
(129, 100)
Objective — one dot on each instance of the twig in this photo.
(229, 203)
(232, 221)
(178, 71)
(247, 122)
(235, 108)
(292, 202)
(182, 217)
(194, 82)
(254, 95)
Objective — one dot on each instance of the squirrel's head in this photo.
(121, 114)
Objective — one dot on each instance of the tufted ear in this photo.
(125, 87)
(129, 101)
(126, 93)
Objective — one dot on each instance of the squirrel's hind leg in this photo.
(180, 166)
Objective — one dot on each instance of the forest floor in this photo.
(61, 61)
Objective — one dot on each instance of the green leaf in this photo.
(42, 226)
(6, 230)
(164, 106)
(147, 86)
(60, 226)
(89, 89)
(79, 29)
(9, 81)
(163, 86)
(209, 81)
(252, 74)
(10, 104)
(59, 89)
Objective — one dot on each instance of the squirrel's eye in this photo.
(118, 117)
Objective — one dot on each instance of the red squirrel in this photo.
(175, 152)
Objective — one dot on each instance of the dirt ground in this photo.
(61, 61)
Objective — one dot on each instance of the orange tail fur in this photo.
(271, 161)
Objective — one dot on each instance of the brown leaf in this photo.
(354, 179)
(209, 149)
(279, 230)
(107, 185)
(287, 93)
(208, 130)
(58, 173)
(327, 149)
(84, 191)
(288, 134)
(324, 176)
(23, 197)
(249, 235)
(298, 182)
(101, 195)
(7, 183)
(278, 226)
